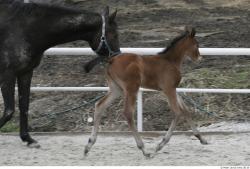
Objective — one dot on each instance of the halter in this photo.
(104, 42)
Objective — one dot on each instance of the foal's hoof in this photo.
(33, 145)
(148, 155)
(152, 155)
(204, 142)
(158, 148)
(86, 151)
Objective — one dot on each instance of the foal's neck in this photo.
(175, 56)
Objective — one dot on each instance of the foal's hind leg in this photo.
(188, 117)
(172, 99)
(130, 99)
(8, 92)
(100, 107)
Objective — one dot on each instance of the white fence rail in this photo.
(148, 51)
(144, 51)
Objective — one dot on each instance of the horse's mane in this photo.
(19, 7)
(173, 42)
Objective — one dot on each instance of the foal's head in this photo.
(191, 45)
(184, 45)
(106, 41)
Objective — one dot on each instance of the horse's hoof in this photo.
(34, 145)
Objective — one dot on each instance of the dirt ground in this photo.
(151, 23)
(224, 149)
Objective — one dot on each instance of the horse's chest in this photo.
(24, 56)
(19, 58)
(27, 60)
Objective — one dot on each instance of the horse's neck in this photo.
(59, 28)
(76, 27)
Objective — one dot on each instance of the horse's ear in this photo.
(191, 31)
(113, 16)
(105, 12)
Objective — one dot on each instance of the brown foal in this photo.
(126, 73)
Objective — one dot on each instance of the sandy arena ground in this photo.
(224, 149)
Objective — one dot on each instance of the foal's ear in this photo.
(113, 16)
(193, 32)
(105, 12)
(190, 30)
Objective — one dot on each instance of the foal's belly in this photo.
(150, 83)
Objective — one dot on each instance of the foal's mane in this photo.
(174, 42)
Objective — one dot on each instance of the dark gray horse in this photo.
(27, 30)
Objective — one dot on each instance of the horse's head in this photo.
(192, 50)
(106, 41)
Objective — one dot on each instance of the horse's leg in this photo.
(24, 82)
(174, 106)
(129, 103)
(188, 117)
(8, 93)
(100, 107)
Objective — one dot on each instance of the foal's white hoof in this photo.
(34, 145)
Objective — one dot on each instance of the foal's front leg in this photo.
(175, 108)
(24, 82)
(167, 137)
(188, 117)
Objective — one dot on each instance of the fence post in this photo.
(139, 112)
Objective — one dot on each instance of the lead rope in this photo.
(198, 106)
(53, 115)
